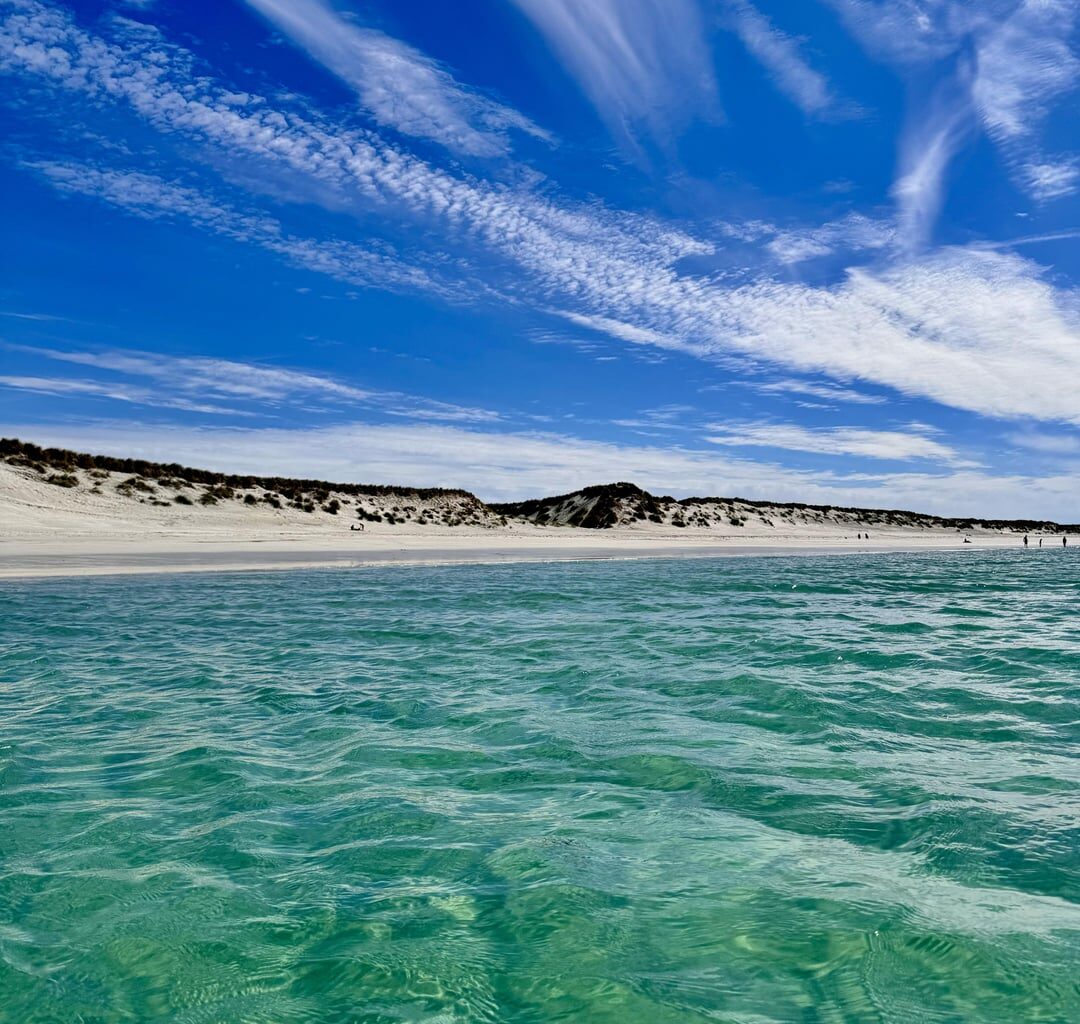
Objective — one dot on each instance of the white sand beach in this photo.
(104, 524)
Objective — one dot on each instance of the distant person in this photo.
(1040, 542)
(1025, 540)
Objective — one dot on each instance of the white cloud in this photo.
(854, 233)
(1011, 61)
(791, 247)
(116, 392)
(828, 392)
(147, 196)
(663, 417)
(505, 466)
(225, 378)
(401, 87)
(930, 141)
(851, 234)
(1023, 64)
(871, 444)
(1052, 180)
(914, 32)
(1022, 240)
(971, 328)
(1046, 444)
(47, 317)
(641, 63)
(628, 332)
(779, 55)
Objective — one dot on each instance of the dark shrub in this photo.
(250, 499)
(63, 480)
(136, 484)
(208, 498)
(182, 499)
(333, 506)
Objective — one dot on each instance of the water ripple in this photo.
(745, 790)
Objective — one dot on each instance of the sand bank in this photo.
(104, 524)
(111, 557)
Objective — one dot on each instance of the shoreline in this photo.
(94, 521)
(55, 560)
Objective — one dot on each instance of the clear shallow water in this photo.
(786, 789)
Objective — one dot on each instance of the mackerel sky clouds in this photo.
(823, 251)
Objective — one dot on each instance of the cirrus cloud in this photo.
(401, 87)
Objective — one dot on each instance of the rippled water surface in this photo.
(746, 790)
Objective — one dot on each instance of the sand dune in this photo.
(58, 516)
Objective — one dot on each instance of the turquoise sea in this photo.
(794, 789)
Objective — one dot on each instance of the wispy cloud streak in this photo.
(1052, 180)
(930, 142)
(975, 329)
(827, 392)
(1010, 60)
(147, 196)
(643, 64)
(112, 390)
(872, 444)
(401, 87)
(779, 54)
(1024, 64)
(178, 380)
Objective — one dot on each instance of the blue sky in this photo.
(824, 250)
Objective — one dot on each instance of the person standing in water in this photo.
(1025, 540)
